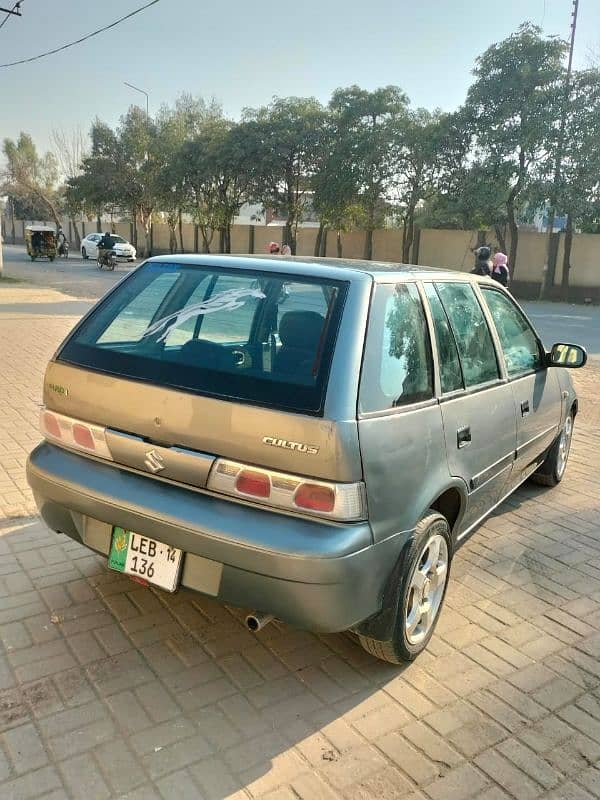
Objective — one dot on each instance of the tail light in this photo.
(74, 434)
(337, 501)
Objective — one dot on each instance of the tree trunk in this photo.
(338, 242)
(180, 223)
(228, 238)
(317, 250)
(323, 252)
(205, 240)
(368, 251)
(12, 222)
(566, 266)
(514, 235)
(134, 227)
(98, 223)
(76, 232)
(370, 227)
(222, 240)
(288, 236)
(172, 238)
(500, 237)
(403, 237)
(410, 234)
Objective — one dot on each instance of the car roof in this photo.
(337, 268)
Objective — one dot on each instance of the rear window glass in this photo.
(237, 334)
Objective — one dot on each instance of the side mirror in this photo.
(567, 355)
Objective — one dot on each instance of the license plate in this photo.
(145, 558)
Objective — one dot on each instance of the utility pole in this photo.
(550, 266)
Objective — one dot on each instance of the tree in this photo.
(578, 191)
(472, 197)
(175, 127)
(140, 162)
(335, 191)
(30, 177)
(514, 105)
(431, 146)
(370, 125)
(97, 189)
(286, 137)
(70, 150)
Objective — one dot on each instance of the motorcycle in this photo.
(63, 249)
(108, 260)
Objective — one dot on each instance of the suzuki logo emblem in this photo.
(154, 461)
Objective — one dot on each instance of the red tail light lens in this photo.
(253, 483)
(83, 437)
(338, 501)
(50, 424)
(74, 434)
(315, 497)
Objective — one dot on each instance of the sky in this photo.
(244, 53)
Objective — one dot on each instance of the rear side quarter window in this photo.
(397, 367)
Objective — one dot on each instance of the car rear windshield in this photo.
(247, 335)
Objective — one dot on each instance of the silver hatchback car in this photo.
(312, 439)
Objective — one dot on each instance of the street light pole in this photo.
(550, 266)
(141, 91)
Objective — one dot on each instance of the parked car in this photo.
(311, 440)
(124, 250)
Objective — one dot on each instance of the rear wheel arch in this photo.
(450, 504)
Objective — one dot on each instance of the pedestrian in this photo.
(483, 263)
(500, 271)
(286, 250)
(273, 248)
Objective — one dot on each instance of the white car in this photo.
(123, 249)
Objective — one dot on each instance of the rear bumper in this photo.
(312, 574)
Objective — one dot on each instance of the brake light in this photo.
(83, 436)
(50, 424)
(315, 497)
(74, 433)
(338, 501)
(256, 484)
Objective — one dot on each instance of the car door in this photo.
(399, 421)
(477, 404)
(535, 388)
(93, 245)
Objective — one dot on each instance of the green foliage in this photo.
(286, 140)
(30, 177)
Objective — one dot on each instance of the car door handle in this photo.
(463, 436)
(525, 408)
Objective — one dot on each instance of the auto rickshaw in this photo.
(41, 242)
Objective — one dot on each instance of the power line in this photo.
(14, 10)
(82, 39)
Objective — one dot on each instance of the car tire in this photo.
(420, 601)
(554, 465)
(84, 254)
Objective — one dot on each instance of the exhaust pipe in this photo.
(255, 621)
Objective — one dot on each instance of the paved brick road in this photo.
(108, 690)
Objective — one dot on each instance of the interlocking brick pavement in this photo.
(108, 690)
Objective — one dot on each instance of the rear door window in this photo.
(450, 369)
(241, 334)
(471, 333)
(397, 367)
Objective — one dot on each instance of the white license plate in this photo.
(145, 558)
